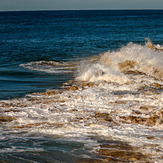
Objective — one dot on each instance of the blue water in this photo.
(63, 36)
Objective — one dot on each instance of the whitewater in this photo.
(113, 108)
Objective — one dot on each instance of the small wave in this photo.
(99, 72)
(149, 44)
(51, 66)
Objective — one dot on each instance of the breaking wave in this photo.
(113, 66)
(110, 66)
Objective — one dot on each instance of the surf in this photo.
(113, 66)
(114, 97)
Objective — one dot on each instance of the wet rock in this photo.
(133, 119)
(157, 85)
(6, 119)
(120, 102)
(90, 160)
(3, 104)
(152, 120)
(11, 110)
(103, 117)
(150, 137)
(51, 92)
(137, 112)
(144, 108)
(135, 72)
(127, 65)
(72, 110)
(117, 151)
(87, 84)
(122, 155)
(73, 88)
(12, 104)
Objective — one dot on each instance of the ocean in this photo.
(81, 86)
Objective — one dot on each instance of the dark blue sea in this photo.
(38, 51)
(65, 36)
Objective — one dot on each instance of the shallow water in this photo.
(126, 108)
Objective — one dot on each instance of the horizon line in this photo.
(81, 9)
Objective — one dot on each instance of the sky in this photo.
(78, 4)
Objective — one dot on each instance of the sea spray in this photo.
(135, 57)
(99, 72)
(111, 66)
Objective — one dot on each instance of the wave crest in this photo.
(112, 66)
(51, 66)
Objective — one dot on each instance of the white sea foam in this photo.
(99, 72)
(51, 66)
(141, 58)
(126, 107)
